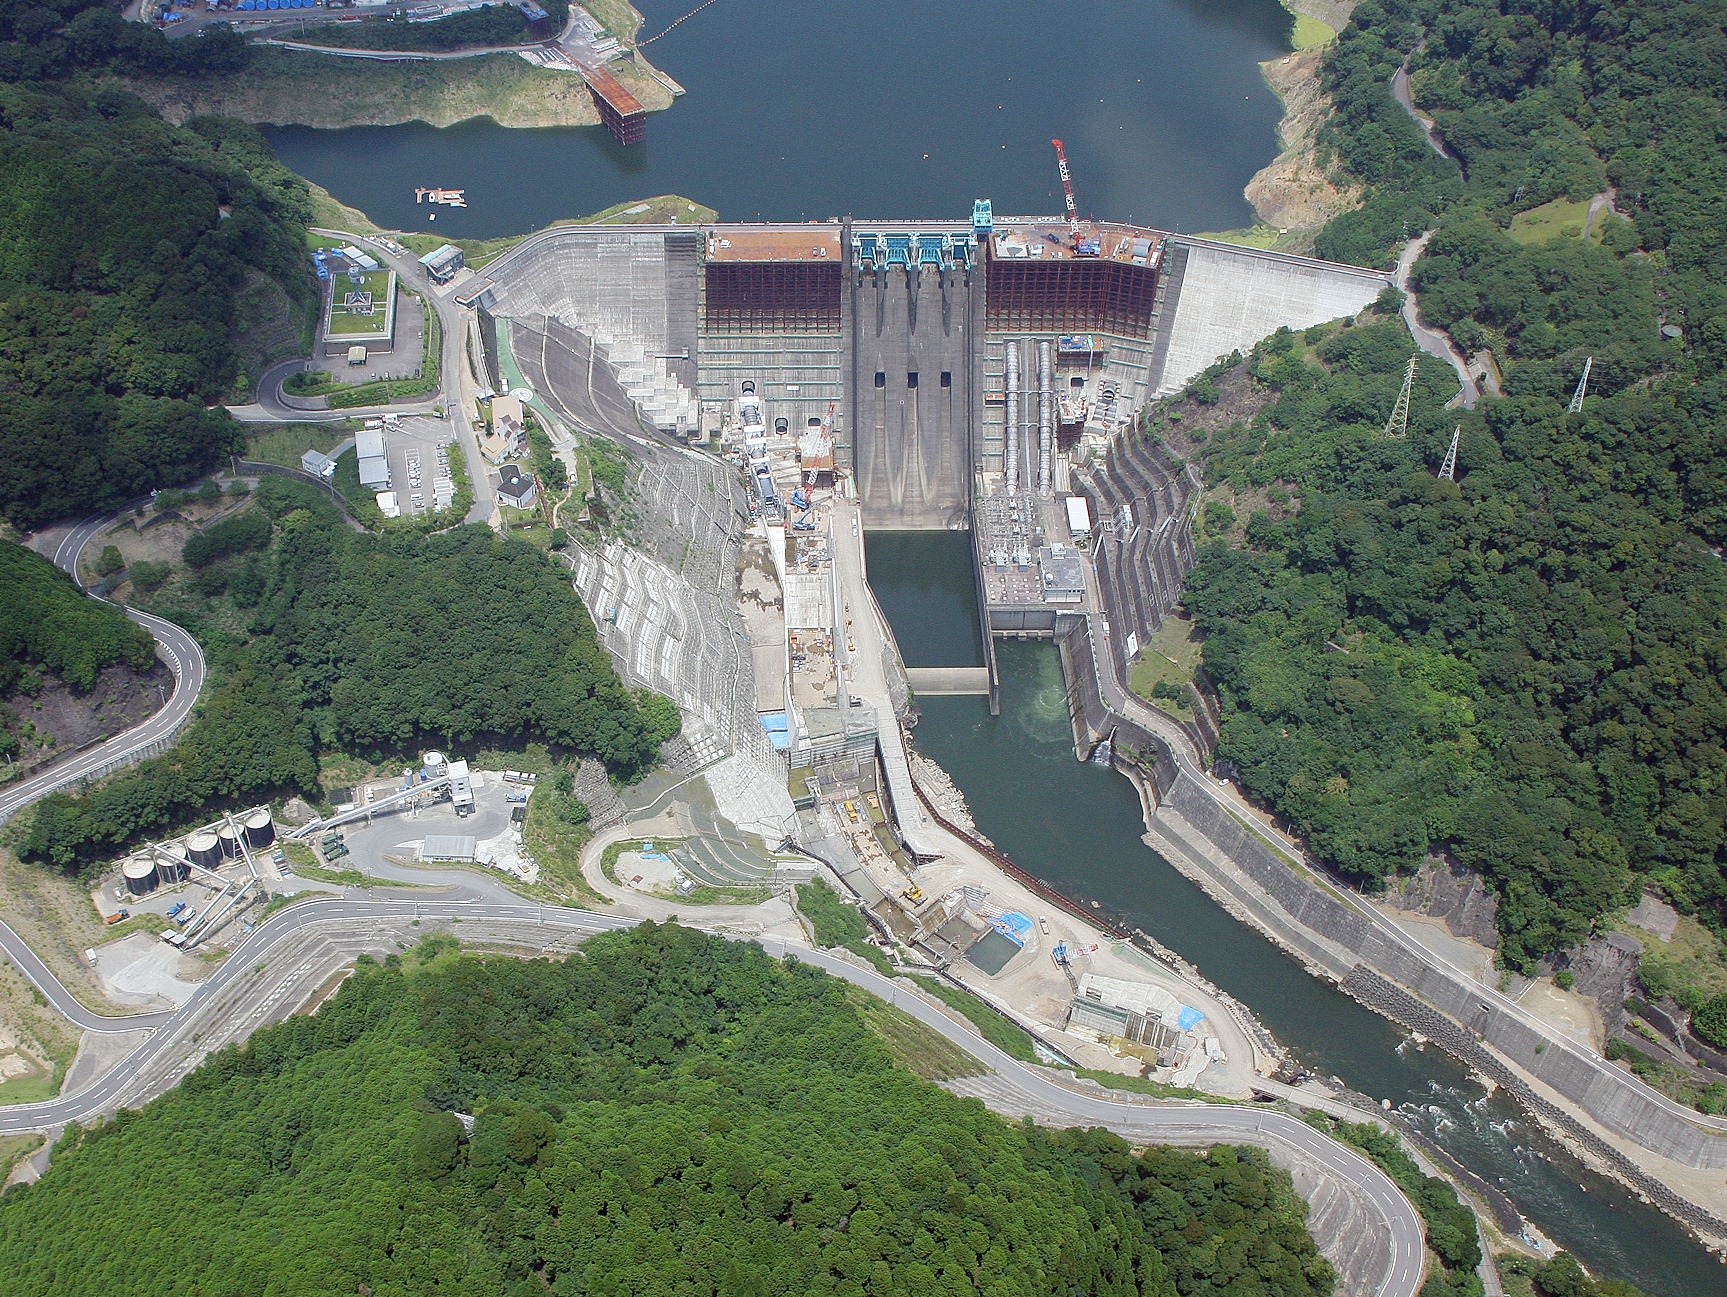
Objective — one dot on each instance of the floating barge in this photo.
(442, 197)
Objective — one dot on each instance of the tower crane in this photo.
(1067, 191)
(1081, 247)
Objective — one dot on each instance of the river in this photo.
(1079, 827)
(913, 108)
(898, 108)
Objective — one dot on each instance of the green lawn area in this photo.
(380, 283)
(284, 443)
(1559, 219)
(1309, 32)
(1170, 657)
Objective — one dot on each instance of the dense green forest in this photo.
(1523, 667)
(363, 644)
(48, 624)
(124, 242)
(665, 1112)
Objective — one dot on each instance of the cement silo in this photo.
(140, 874)
(203, 848)
(171, 866)
(260, 831)
(433, 766)
(228, 838)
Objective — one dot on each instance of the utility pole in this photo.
(1576, 406)
(1398, 424)
(1448, 470)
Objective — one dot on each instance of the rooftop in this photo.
(815, 242)
(1048, 238)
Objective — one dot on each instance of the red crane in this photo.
(1067, 189)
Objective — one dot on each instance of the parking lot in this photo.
(418, 455)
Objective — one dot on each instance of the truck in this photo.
(117, 917)
(176, 908)
(185, 917)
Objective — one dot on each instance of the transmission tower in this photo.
(1576, 406)
(1398, 424)
(1448, 470)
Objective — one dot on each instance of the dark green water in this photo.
(1079, 827)
(897, 108)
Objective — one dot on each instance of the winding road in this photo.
(173, 645)
(1374, 1235)
(256, 968)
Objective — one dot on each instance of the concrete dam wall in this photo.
(1227, 298)
(910, 390)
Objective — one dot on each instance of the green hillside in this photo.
(663, 1113)
(1524, 667)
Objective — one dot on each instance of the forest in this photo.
(1524, 667)
(663, 1112)
(124, 243)
(370, 645)
(48, 624)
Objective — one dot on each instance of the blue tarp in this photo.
(1188, 1018)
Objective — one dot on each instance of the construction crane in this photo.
(1067, 190)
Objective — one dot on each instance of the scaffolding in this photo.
(1061, 295)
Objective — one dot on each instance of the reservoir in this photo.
(900, 108)
(1079, 827)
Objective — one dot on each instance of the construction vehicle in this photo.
(914, 893)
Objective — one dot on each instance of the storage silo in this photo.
(228, 837)
(205, 852)
(260, 831)
(140, 874)
(434, 766)
(171, 866)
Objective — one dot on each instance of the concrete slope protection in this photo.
(1246, 859)
(1386, 1255)
(173, 645)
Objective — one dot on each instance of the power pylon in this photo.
(1448, 470)
(1398, 424)
(1576, 406)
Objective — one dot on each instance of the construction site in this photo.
(811, 383)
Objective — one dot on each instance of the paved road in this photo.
(1434, 342)
(1191, 765)
(1397, 1236)
(173, 645)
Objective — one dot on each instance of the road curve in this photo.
(1020, 1089)
(173, 645)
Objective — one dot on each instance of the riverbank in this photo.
(286, 88)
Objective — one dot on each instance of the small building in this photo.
(441, 264)
(318, 464)
(388, 505)
(1137, 1013)
(356, 355)
(1078, 517)
(359, 258)
(374, 468)
(1063, 574)
(461, 787)
(516, 488)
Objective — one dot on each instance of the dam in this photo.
(980, 375)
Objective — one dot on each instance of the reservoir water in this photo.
(913, 108)
(1079, 827)
(898, 108)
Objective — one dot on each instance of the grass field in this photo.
(1309, 32)
(1559, 219)
(1170, 657)
(380, 283)
(913, 1046)
(284, 443)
